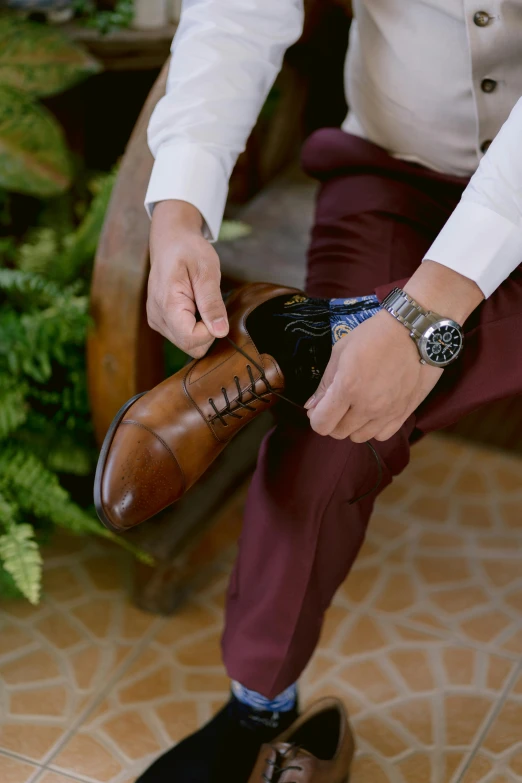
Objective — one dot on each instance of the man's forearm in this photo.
(448, 293)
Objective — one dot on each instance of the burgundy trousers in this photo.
(376, 218)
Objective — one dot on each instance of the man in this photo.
(430, 83)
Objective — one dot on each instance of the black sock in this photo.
(296, 331)
(225, 749)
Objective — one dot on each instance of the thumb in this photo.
(209, 301)
(326, 380)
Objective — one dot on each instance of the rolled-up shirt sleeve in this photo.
(225, 57)
(482, 239)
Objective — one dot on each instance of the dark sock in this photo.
(296, 332)
(225, 749)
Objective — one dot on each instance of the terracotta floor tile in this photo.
(420, 642)
(459, 665)
(13, 638)
(86, 755)
(62, 584)
(15, 771)
(206, 683)
(36, 666)
(59, 631)
(154, 685)
(54, 777)
(366, 769)
(415, 716)
(106, 572)
(398, 593)
(416, 768)
(203, 652)
(431, 508)
(508, 476)
(189, 619)
(502, 572)
(131, 734)
(505, 732)
(466, 714)
(360, 583)
(475, 515)
(335, 616)
(179, 718)
(479, 767)
(50, 702)
(30, 740)
(381, 736)
(415, 669)
(364, 635)
(437, 571)
(370, 680)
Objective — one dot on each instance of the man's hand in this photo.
(374, 379)
(184, 275)
(373, 382)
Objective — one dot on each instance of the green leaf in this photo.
(37, 492)
(39, 252)
(33, 155)
(233, 229)
(22, 559)
(8, 588)
(81, 245)
(28, 289)
(40, 59)
(13, 409)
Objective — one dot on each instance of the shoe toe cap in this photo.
(141, 476)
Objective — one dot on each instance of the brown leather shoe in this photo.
(317, 748)
(162, 441)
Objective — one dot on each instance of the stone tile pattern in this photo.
(422, 642)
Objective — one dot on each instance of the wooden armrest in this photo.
(124, 356)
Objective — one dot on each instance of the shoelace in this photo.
(229, 411)
(276, 771)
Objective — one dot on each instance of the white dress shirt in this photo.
(431, 81)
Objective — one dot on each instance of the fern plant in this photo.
(45, 429)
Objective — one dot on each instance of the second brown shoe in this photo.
(162, 441)
(317, 748)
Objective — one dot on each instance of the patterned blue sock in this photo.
(285, 702)
(346, 314)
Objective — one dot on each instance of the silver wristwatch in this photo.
(439, 340)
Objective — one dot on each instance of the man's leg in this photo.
(300, 534)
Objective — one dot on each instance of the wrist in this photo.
(179, 215)
(444, 291)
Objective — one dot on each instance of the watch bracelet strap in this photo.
(409, 312)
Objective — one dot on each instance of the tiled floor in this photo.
(423, 643)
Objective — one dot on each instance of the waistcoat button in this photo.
(481, 19)
(488, 85)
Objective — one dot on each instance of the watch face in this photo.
(442, 343)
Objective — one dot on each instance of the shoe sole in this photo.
(102, 459)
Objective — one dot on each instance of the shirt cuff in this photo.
(185, 172)
(479, 244)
